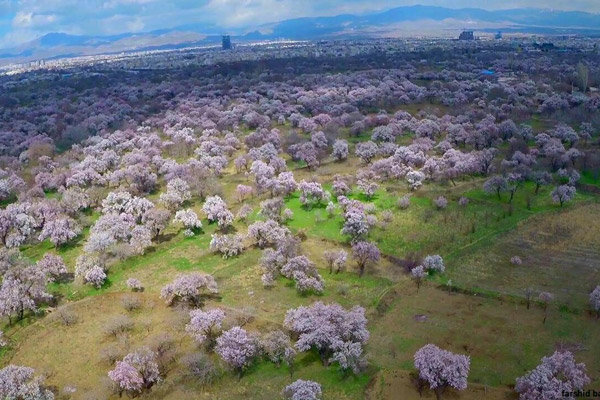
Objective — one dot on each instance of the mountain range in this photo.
(396, 22)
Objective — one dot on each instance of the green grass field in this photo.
(482, 316)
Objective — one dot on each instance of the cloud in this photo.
(25, 20)
(115, 4)
(20, 19)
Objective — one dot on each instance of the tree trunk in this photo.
(324, 357)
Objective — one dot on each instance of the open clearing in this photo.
(560, 253)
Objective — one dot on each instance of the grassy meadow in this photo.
(475, 308)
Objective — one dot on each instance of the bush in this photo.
(200, 366)
(163, 346)
(387, 216)
(441, 202)
(135, 285)
(516, 260)
(245, 316)
(131, 303)
(343, 289)
(112, 354)
(404, 202)
(66, 316)
(117, 325)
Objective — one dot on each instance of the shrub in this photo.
(117, 325)
(131, 303)
(200, 366)
(404, 202)
(111, 354)
(516, 260)
(135, 285)
(441, 202)
(66, 316)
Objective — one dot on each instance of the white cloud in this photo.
(97, 17)
(26, 20)
(116, 3)
(22, 19)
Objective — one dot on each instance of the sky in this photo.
(25, 20)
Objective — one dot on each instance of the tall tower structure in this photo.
(226, 42)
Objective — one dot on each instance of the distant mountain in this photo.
(401, 21)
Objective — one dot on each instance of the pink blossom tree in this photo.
(556, 375)
(595, 301)
(23, 288)
(327, 328)
(227, 245)
(18, 382)
(52, 265)
(137, 373)
(365, 253)
(441, 369)
(366, 151)
(190, 288)
(418, 274)
(204, 326)
(563, 194)
(336, 260)
(216, 211)
(355, 222)
(243, 192)
(275, 345)
(304, 272)
(189, 219)
(496, 184)
(156, 220)
(340, 150)
(237, 348)
(303, 390)
(312, 194)
(95, 276)
(434, 263)
(267, 233)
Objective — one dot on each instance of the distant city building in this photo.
(499, 35)
(466, 35)
(226, 42)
